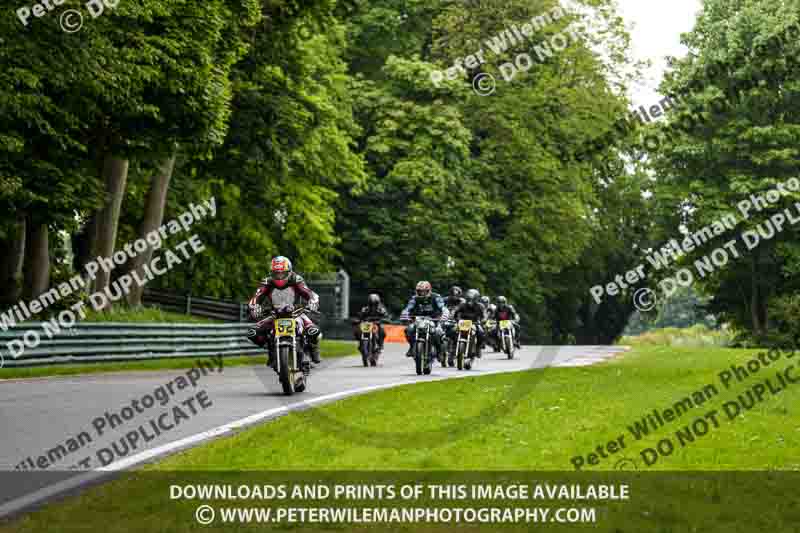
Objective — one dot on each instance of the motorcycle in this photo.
(425, 329)
(368, 345)
(466, 344)
(491, 326)
(506, 336)
(291, 362)
(448, 349)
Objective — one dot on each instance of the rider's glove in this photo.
(255, 311)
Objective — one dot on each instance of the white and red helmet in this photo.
(424, 289)
(280, 271)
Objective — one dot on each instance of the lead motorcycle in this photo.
(423, 344)
(292, 360)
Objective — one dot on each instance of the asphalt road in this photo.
(68, 427)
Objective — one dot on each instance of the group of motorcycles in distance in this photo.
(460, 353)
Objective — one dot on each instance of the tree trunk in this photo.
(37, 259)
(12, 278)
(154, 207)
(115, 171)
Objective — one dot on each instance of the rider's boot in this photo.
(410, 352)
(315, 353)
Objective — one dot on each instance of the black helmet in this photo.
(455, 291)
(473, 295)
(501, 300)
(374, 300)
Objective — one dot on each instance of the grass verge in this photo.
(144, 314)
(535, 420)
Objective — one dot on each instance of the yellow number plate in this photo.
(284, 327)
(366, 327)
(505, 324)
(464, 325)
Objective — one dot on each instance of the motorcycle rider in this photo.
(374, 311)
(489, 306)
(282, 288)
(471, 309)
(425, 303)
(506, 311)
(454, 299)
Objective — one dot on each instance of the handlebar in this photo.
(413, 318)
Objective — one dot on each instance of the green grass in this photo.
(695, 336)
(328, 349)
(535, 420)
(144, 314)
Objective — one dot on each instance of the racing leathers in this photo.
(269, 296)
(432, 306)
(474, 311)
(452, 302)
(372, 314)
(507, 312)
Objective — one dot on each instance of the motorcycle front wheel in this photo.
(285, 375)
(508, 344)
(364, 349)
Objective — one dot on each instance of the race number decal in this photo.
(284, 327)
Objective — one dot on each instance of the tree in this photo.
(739, 82)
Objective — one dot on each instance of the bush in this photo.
(696, 336)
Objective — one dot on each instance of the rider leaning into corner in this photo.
(473, 310)
(425, 303)
(374, 311)
(283, 288)
(506, 311)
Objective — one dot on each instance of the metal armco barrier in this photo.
(226, 310)
(112, 341)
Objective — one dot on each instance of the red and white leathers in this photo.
(270, 296)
